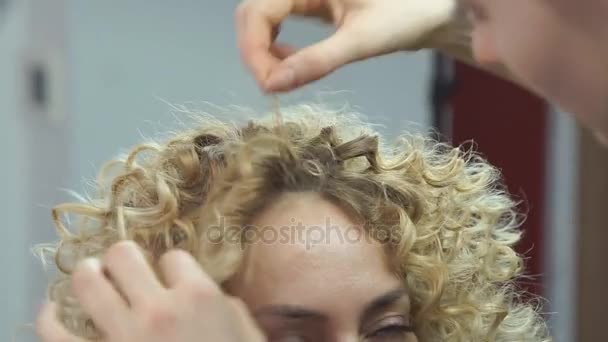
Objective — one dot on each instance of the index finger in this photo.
(180, 268)
(255, 22)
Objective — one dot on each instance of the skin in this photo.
(321, 290)
(328, 289)
(556, 48)
(136, 307)
(544, 45)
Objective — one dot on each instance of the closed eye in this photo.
(391, 331)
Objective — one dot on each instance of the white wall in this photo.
(12, 180)
(120, 59)
(35, 161)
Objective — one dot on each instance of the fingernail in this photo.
(281, 79)
(88, 264)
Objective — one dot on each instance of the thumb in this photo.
(314, 62)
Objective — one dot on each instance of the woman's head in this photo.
(559, 48)
(320, 228)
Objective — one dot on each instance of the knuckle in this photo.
(84, 275)
(160, 319)
(177, 253)
(120, 251)
(200, 292)
(174, 256)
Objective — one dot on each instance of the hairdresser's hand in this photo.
(190, 309)
(364, 28)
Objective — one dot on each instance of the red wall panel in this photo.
(509, 126)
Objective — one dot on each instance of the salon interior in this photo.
(83, 80)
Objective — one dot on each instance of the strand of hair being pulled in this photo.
(277, 115)
(120, 223)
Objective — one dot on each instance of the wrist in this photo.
(454, 34)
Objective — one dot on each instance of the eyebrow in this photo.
(382, 302)
(291, 312)
(296, 312)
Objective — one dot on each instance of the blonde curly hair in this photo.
(450, 222)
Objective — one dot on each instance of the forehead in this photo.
(309, 270)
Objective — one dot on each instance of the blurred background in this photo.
(81, 81)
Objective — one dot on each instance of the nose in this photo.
(484, 49)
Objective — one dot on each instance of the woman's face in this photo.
(311, 275)
(556, 47)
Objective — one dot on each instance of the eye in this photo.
(390, 333)
(291, 338)
(394, 328)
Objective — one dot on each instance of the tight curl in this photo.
(450, 224)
